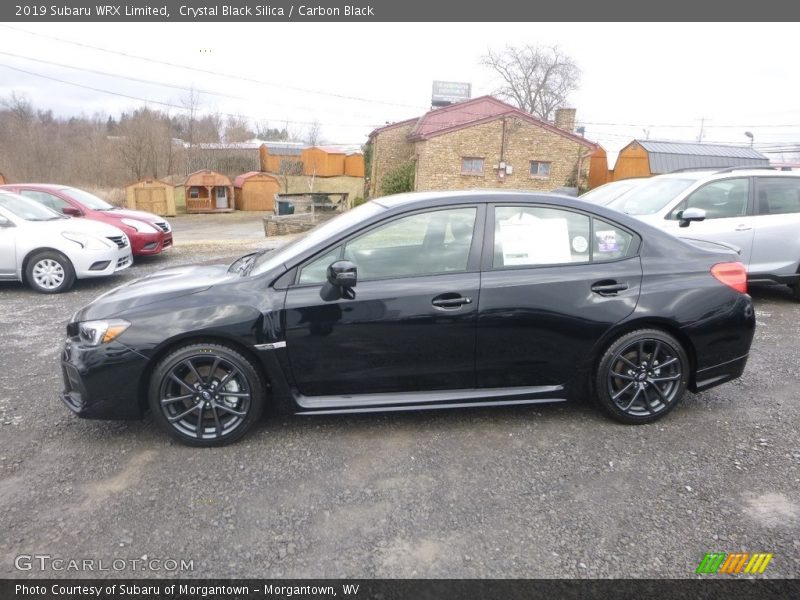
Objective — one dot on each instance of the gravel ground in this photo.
(544, 491)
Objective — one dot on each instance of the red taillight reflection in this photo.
(732, 274)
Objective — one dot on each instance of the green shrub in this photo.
(399, 180)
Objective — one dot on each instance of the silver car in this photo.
(756, 210)
(49, 250)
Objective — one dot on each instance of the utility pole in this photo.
(702, 133)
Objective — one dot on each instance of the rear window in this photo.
(778, 195)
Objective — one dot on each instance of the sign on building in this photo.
(450, 92)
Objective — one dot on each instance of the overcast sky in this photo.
(637, 78)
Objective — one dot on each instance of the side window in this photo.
(720, 199)
(423, 243)
(610, 242)
(48, 200)
(778, 195)
(317, 270)
(532, 236)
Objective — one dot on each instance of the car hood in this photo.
(85, 226)
(158, 287)
(124, 213)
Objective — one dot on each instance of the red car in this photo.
(148, 233)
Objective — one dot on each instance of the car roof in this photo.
(737, 172)
(478, 196)
(43, 186)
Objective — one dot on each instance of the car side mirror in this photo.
(689, 215)
(343, 274)
(71, 211)
(5, 222)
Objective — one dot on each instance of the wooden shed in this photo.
(643, 158)
(208, 192)
(354, 164)
(598, 168)
(323, 162)
(281, 158)
(255, 191)
(152, 195)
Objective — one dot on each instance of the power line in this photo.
(168, 104)
(211, 72)
(149, 81)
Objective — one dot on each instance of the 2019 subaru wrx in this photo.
(419, 301)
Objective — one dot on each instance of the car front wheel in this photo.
(49, 272)
(206, 394)
(642, 376)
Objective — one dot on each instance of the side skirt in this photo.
(428, 400)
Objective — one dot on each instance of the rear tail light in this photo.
(732, 274)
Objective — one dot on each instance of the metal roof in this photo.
(666, 156)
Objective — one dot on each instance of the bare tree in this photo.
(313, 135)
(237, 129)
(537, 79)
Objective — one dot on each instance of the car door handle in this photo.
(445, 301)
(608, 288)
(743, 228)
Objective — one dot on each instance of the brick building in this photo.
(482, 143)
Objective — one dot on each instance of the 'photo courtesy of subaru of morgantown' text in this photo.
(328, 304)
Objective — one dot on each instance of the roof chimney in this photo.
(565, 119)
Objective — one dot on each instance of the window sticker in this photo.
(580, 244)
(528, 240)
(607, 241)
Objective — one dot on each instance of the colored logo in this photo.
(738, 562)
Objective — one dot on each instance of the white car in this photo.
(49, 250)
(755, 210)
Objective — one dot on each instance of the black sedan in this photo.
(419, 301)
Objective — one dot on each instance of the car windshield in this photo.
(28, 209)
(320, 233)
(610, 191)
(651, 196)
(89, 200)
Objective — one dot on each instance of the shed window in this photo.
(472, 166)
(540, 169)
(194, 192)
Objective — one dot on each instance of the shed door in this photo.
(222, 196)
(152, 200)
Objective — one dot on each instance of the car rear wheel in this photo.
(49, 272)
(206, 394)
(642, 376)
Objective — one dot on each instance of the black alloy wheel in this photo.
(206, 394)
(642, 376)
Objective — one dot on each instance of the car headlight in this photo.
(87, 242)
(140, 226)
(95, 333)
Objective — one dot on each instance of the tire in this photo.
(49, 272)
(185, 388)
(642, 376)
(796, 291)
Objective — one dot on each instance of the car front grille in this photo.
(123, 262)
(120, 240)
(164, 226)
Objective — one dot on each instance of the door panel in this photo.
(8, 251)
(536, 325)
(390, 338)
(728, 206)
(776, 245)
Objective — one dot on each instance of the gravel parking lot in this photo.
(543, 491)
